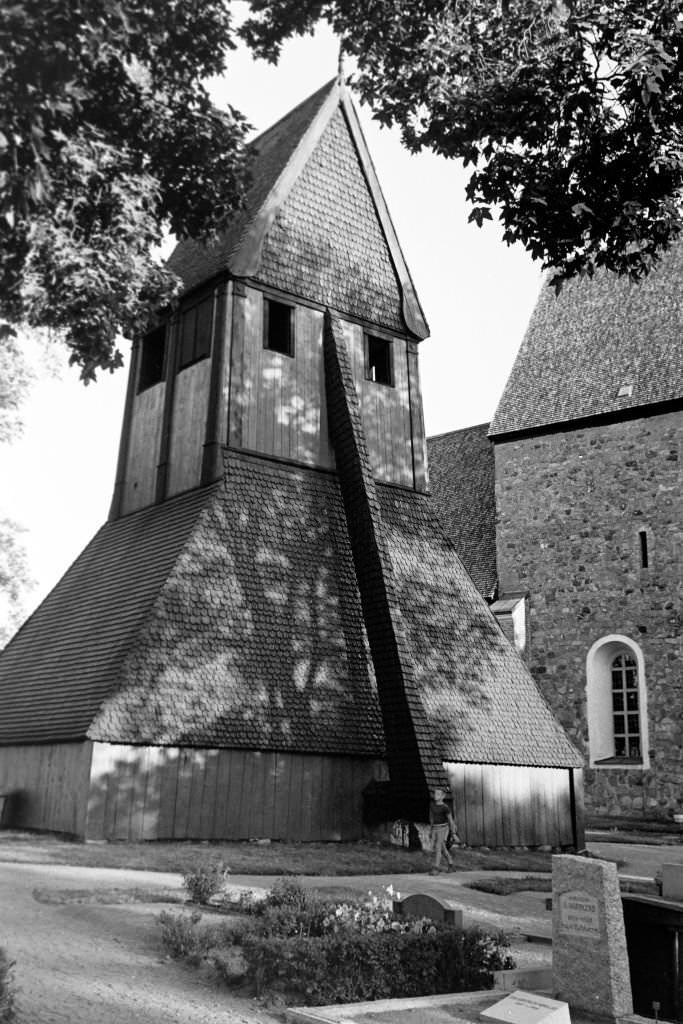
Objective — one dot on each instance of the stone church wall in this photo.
(572, 507)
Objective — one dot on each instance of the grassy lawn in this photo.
(274, 858)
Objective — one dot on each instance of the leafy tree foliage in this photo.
(107, 136)
(15, 580)
(570, 111)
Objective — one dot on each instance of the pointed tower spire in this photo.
(340, 65)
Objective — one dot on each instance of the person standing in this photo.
(441, 821)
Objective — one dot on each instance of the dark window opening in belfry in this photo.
(152, 358)
(279, 332)
(378, 360)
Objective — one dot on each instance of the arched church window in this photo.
(616, 704)
(626, 715)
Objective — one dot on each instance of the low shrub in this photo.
(289, 910)
(351, 966)
(6, 988)
(187, 937)
(317, 951)
(206, 881)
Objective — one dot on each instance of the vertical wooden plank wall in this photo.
(505, 805)
(143, 448)
(386, 411)
(49, 785)
(417, 426)
(174, 793)
(277, 402)
(188, 426)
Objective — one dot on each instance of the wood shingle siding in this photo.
(67, 658)
(256, 640)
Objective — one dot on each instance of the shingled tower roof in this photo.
(603, 346)
(315, 223)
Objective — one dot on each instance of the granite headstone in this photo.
(590, 961)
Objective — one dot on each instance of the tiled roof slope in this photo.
(270, 151)
(326, 243)
(257, 638)
(68, 655)
(479, 699)
(462, 483)
(598, 336)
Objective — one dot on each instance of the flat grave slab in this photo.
(527, 1008)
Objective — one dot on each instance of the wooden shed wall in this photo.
(143, 448)
(48, 785)
(386, 411)
(181, 793)
(506, 805)
(277, 402)
(188, 426)
(278, 406)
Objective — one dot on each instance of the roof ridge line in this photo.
(413, 313)
(247, 256)
(458, 430)
(288, 114)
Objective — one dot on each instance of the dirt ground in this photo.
(94, 964)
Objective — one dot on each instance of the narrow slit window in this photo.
(278, 325)
(644, 558)
(378, 360)
(152, 358)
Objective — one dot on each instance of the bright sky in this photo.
(476, 292)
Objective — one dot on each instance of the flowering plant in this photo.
(374, 914)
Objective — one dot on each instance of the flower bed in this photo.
(313, 951)
(6, 989)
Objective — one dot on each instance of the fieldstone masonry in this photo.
(590, 961)
(570, 506)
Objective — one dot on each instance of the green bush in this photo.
(186, 937)
(208, 880)
(289, 910)
(6, 988)
(317, 951)
(351, 966)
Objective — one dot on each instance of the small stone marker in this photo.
(423, 905)
(672, 882)
(590, 961)
(527, 1008)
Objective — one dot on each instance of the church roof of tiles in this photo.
(477, 700)
(68, 656)
(603, 346)
(315, 223)
(462, 484)
(227, 617)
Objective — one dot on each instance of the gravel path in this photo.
(93, 964)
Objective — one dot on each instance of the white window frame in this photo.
(599, 709)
